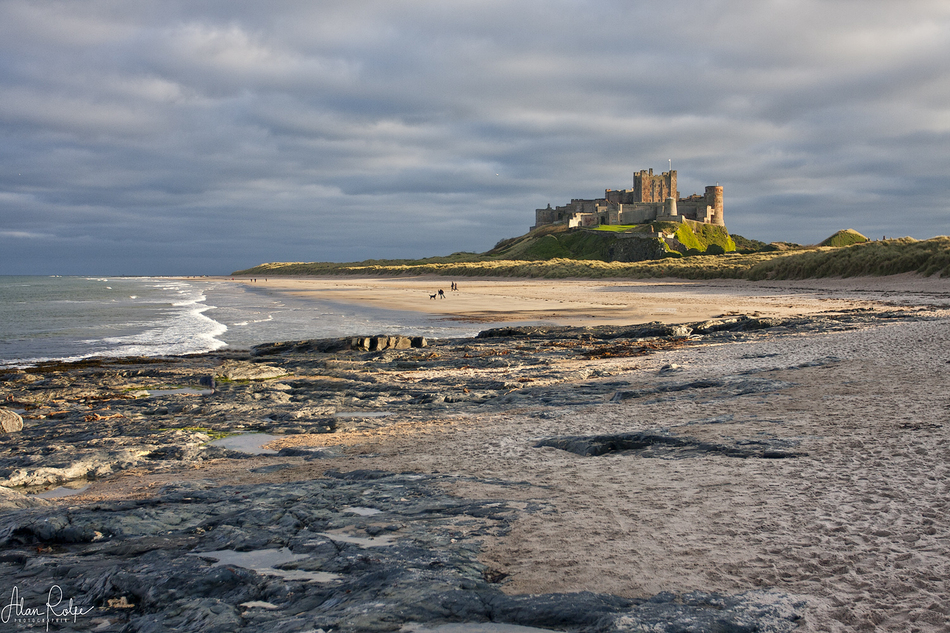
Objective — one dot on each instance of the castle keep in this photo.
(652, 198)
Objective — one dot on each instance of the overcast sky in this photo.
(204, 136)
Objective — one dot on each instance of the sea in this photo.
(72, 318)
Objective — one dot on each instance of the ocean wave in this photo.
(151, 318)
(270, 317)
(185, 330)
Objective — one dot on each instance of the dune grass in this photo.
(847, 237)
(699, 267)
(890, 257)
(887, 257)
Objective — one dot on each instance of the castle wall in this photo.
(645, 202)
(639, 213)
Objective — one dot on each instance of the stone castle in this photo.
(653, 198)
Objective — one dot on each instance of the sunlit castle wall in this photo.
(647, 201)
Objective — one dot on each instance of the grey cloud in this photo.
(204, 136)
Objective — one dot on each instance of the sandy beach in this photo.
(618, 302)
(850, 524)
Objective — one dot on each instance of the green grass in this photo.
(214, 435)
(746, 245)
(556, 253)
(846, 237)
(546, 247)
(887, 257)
(616, 228)
(729, 266)
(709, 234)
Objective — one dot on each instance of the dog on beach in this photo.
(434, 296)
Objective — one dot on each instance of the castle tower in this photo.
(648, 187)
(670, 207)
(714, 200)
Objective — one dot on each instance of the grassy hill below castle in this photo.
(688, 251)
(611, 243)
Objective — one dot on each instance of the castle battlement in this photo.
(653, 198)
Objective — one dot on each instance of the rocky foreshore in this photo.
(166, 529)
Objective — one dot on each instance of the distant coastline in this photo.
(873, 258)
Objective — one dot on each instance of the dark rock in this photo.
(726, 387)
(556, 610)
(332, 346)
(658, 445)
(311, 454)
(655, 329)
(358, 475)
(752, 612)
(273, 468)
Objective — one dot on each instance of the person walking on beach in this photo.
(441, 294)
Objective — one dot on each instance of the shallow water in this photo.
(265, 561)
(361, 414)
(190, 391)
(472, 627)
(67, 490)
(363, 512)
(374, 541)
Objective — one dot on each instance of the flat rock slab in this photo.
(12, 499)
(243, 370)
(10, 421)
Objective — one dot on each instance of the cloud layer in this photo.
(204, 136)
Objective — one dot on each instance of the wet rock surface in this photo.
(669, 446)
(392, 550)
(138, 564)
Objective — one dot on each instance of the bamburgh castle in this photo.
(653, 198)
